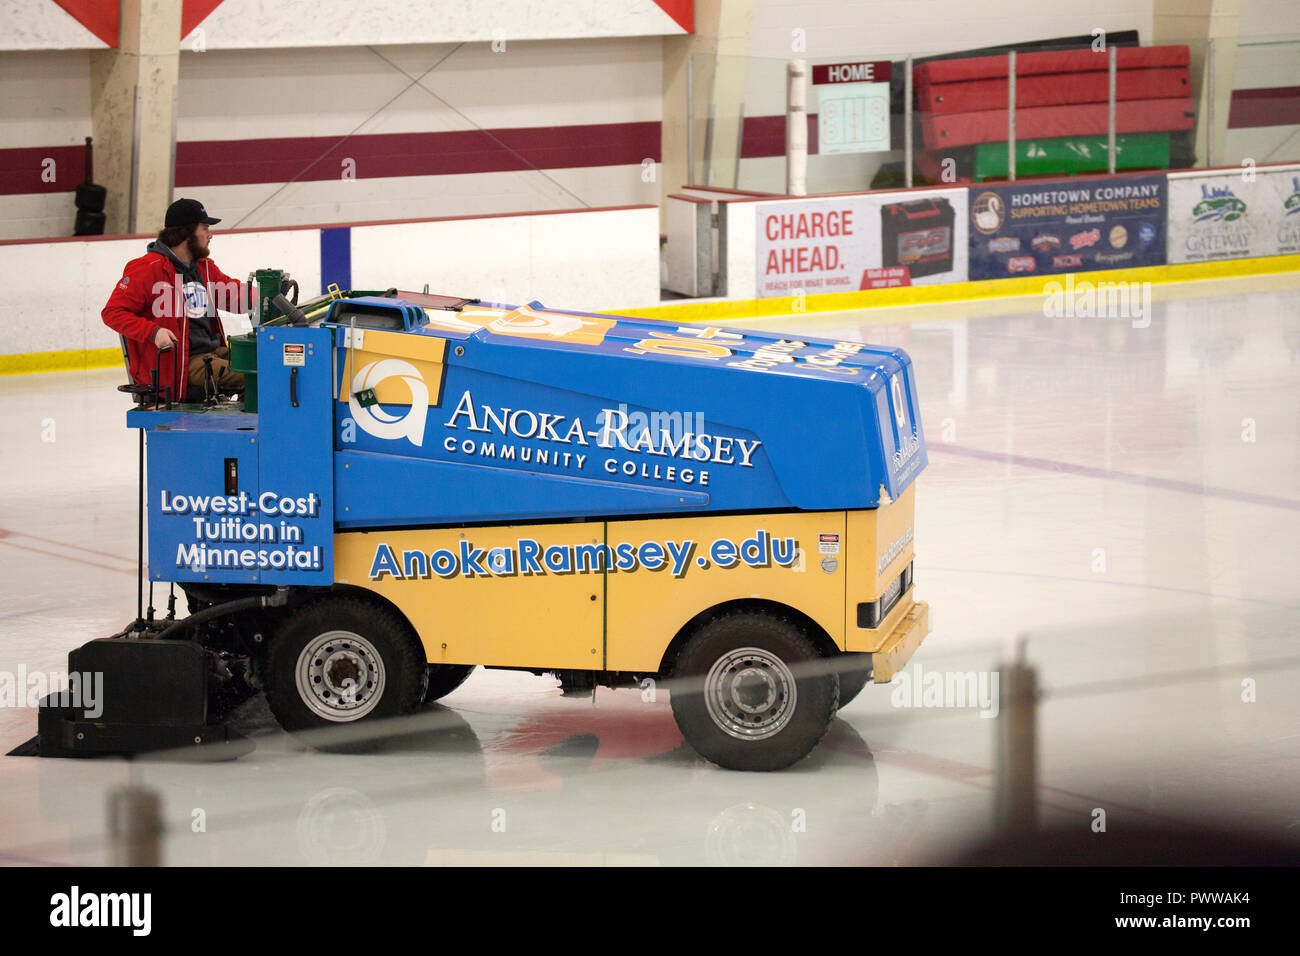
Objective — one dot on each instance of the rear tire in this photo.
(753, 692)
(340, 660)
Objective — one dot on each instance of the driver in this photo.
(168, 299)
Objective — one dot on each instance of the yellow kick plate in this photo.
(901, 644)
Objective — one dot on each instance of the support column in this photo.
(133, 104)
(721, 30)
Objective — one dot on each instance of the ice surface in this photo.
(1126, 499)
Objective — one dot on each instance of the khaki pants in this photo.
(222, 377)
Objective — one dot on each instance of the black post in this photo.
(139, 599)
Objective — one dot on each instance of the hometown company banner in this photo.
(1049, 228)
(1228, 217)
(846, 243)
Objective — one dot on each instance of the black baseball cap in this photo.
(185, 211)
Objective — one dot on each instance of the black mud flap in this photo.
(133, 696)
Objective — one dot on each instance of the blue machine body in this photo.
(393, 412)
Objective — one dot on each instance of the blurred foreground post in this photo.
(134, 827)
(1017, 756)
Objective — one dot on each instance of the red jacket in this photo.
(148, 298)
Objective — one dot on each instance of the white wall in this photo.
(42, 25)
(44, 102)
(344, 91)
(1269, 18)
(238, 95)
(51, 293)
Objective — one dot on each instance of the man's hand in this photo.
(164, 339)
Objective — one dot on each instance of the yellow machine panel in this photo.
(612, 595)
(881, 547)
(514, 596)
(401, 369)
(712, 560)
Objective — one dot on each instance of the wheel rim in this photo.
(340, 676)
(750, 693)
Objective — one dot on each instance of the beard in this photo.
(196, 248)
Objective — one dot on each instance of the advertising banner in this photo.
(1234, 215)
(1050, 228)
(847, 243)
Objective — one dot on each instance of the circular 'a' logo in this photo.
(196, 300)
(900, 402)
(373, 419)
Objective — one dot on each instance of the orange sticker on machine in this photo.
(526, 323)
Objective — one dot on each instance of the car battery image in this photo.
(917, 234)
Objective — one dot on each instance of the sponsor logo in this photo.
(1081, 240)
(373, 420)
(1021, 264)
(1004, 244)
(911, 444)
(1292, 202)
(196, 299)
(1146, 235)
(1070, 260)
(987, 212)
(929, 243)
(1118, 237)
(665, 435)
(894, 550)
(1045, 242)
(1217, 204)
(529, 557)
(525, 323)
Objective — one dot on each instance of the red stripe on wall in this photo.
(765, 136)
(319, 158)
(1273, 106)
(27, 170)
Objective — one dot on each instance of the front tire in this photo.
(444, 678)
(753, 692)
(340, 660)
(854, 670)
